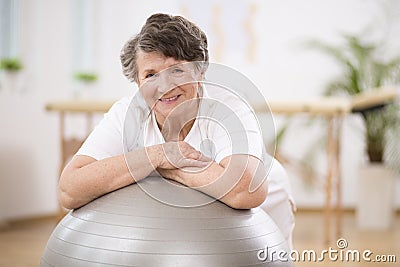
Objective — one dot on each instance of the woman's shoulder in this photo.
(224, 97)
(128, 107)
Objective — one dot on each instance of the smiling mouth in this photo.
(169, 99)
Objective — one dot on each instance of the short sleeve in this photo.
(233, 127)
(106, 139)
(239, 135)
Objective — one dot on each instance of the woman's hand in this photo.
(177, 155)
(172, 174)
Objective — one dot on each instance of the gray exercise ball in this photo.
(129, 227)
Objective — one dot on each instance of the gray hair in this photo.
(172, 36)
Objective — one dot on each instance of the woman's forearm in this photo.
(239, 181)
(85, 179)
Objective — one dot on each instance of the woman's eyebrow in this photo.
(151, 70)
(148, 70)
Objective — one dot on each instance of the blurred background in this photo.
(69, 50)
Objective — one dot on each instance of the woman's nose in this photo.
(165, 83)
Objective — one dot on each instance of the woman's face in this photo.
(166, 83)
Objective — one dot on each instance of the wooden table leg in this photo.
(62, 141)
(61, 211)
(338, 174)
(328, 186)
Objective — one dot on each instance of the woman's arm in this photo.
(85, 178)
(239, 180)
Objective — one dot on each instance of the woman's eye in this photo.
(149, 75)
(177, 71)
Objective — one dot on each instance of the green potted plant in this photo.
(85, 80)
(363, 70)
(86, 77)
(10, 68)
(10, 64)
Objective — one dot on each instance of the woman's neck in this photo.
(178, 127)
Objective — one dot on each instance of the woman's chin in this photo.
(172, 109)
(170, 113)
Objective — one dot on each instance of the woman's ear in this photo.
(202, 75)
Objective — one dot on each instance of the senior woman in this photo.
(161, 129)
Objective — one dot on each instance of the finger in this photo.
(197, 155)
(194, 163)
(193, 155)
(204, 158)
(183, 146)
(186, 148)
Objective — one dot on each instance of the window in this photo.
(83, 35)
(9, 28)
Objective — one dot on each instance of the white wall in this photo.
(29, 152)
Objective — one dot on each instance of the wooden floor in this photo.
(308, 235)
(22, 244)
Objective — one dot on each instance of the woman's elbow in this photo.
(249, 200)
(68, 190)
(66, 200)
(252, 189)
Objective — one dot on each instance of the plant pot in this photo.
(85, 90)
(10, 81)
(375, 207)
